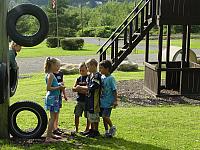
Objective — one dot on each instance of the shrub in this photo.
(52, 42)
(87, 32)
(72, 43)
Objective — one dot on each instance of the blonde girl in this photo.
(52, 96)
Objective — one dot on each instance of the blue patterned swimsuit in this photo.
(52, 97)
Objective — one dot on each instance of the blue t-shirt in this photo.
(108, 89)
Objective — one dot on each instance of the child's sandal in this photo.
(50, 140)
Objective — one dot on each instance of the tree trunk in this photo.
(4, 133)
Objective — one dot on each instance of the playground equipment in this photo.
(8, 115)
(184, 75)
(175, 54)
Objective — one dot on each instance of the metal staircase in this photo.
(127, 36)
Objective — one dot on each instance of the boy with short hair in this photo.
(94, 90)
(108, 97)
(81, 97)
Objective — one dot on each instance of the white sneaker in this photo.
(113, 130)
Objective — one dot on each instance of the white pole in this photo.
(57, 22)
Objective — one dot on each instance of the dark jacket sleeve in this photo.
(13, 63)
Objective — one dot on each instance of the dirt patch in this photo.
(131, 92)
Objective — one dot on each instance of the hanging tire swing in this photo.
(3, 85)
(14, 74)
(32, 107)
(27, 9)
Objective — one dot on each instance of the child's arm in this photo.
(82, 89)
(74, 89)
(64, 94)
(49, 82)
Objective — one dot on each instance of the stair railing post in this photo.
(130, 33)
(125, 32)
(112, 50)
(101, 56)
(154, 9)
(147, 13)
(142, 21)
(116, 50)
(136, 20)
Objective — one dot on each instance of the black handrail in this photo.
(122, 29)
(120, 25)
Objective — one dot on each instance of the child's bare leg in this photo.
(87, 125)
(108, 121)
(105, 123)
(96, 126)
(56, 121)
(51, 124)
(76, 122)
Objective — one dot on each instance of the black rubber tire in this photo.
(27, 9)
(14, 110)
(3, 84)
(14, 74)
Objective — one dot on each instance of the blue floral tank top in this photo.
(53, 84)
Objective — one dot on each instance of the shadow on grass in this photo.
(80, 142)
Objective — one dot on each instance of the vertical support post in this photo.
(188, 45)
(168, 43)
(4, 59)
(160, 46)
(184, 40)
(147, 48)
(160, 57)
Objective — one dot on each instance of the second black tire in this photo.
(14, 74)
(35, 108)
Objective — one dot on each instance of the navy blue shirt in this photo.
(82, 82)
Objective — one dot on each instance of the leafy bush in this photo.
(72, 43)
(87, 32)
(52, 42)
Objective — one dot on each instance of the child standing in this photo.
(81, 97)
(93, 102)
(108, 96)
(52, 95)
(94, 90)
(59, 77)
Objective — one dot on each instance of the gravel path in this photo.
(31, 65)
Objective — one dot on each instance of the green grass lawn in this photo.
(195, 43)
(89, 49)
(140, 128)
(42, 50)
